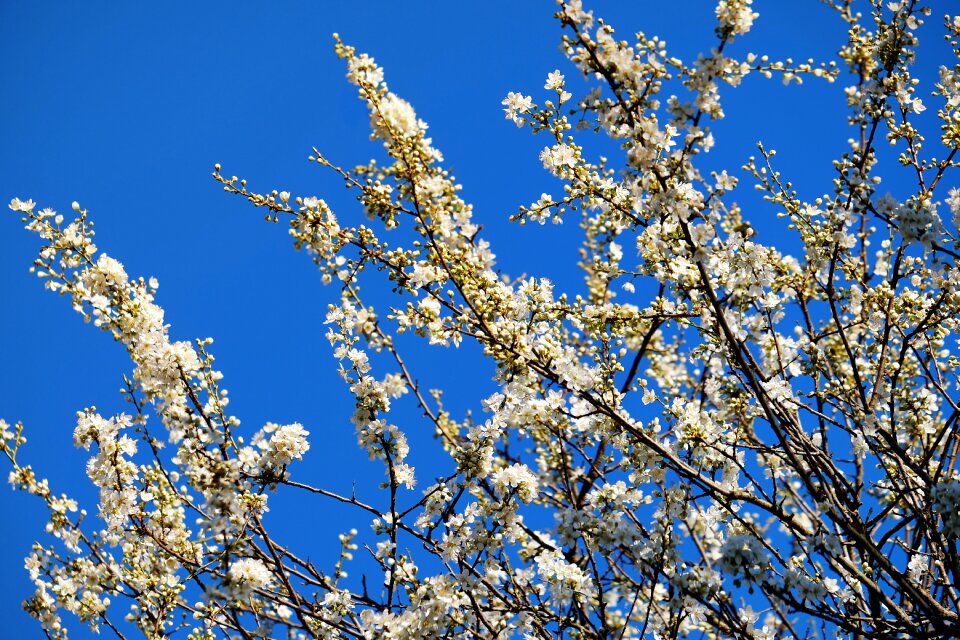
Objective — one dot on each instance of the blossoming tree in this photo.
(711, 439)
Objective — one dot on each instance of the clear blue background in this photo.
(125, 107)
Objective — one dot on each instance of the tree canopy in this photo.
(711, 436)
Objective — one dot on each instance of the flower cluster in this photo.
(278, 445)
(246, 576)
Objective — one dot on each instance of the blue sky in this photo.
(125, 107)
